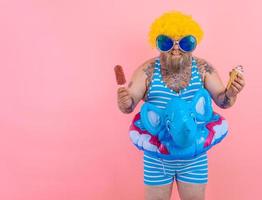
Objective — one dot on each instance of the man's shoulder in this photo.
(205, 68)
(148, 63)
(147, 66)
(201, 65)
(200, 61)
(144, 70)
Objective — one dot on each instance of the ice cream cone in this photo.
(234, 73)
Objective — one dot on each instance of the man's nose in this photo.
(176, 47)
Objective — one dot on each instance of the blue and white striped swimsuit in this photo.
(158, 171)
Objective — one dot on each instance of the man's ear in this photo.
(152, 118)
(202, 105)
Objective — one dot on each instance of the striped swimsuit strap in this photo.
(159, 93)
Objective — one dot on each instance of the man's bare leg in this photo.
(188, 191)
(158, 192)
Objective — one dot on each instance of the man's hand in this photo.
(125, 101)
(236, 86)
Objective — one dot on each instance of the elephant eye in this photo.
(200, 106)
(153, 118)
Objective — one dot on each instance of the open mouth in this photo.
(176, 54)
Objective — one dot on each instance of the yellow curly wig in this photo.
(176, 25)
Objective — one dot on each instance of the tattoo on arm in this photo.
(226, 101)
(202, 72)
(204, 67)
(209, 68)
(149, 73)
(200, 61)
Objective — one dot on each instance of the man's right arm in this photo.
(129, 97)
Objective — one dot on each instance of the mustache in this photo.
(176, 64)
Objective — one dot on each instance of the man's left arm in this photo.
(224, 98)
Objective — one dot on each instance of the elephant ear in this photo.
(152, 118)
(202, 105)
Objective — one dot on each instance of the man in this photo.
(176, 72)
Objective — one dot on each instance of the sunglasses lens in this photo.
(164, 43)
(188, 43)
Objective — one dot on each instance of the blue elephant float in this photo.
(183, 130)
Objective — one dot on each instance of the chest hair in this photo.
(177, 81)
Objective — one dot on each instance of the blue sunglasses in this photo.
(186, 44)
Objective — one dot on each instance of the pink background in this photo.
(61, 134)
